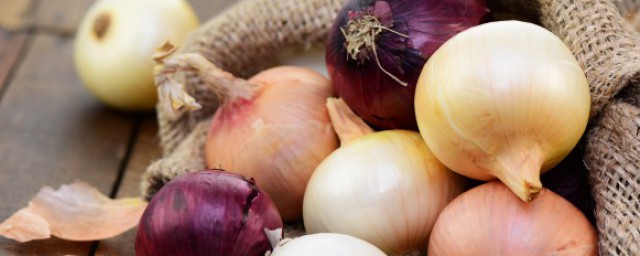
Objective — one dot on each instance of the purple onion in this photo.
(412, 31)
(207, 213)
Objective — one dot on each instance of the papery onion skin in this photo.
(374, 95)
(326, 244)
(114, 44)
(209, 212)
(385, 188)
(277, 137)
(490, 220)
(503, 100)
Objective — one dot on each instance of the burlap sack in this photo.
(245, 39)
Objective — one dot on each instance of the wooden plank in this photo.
(144, 152)
(13, 13)
(10, 47)
(61, 16)
(52, 131)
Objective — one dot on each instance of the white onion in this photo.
(384, 187)
(115, 42)
(326, 244)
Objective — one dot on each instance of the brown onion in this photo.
(491, 220)
(273, 127)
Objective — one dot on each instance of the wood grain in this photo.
(145, 150)
(52, 131)
(60, 16)
(13, 13)
(11, 45)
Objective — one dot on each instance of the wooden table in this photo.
(52, 131)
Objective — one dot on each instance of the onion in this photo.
(325, 244)
(376, 50)
(208, 212)
(384, 187)
(114, 44)
(273, 127)
(490, 220)
(503, 100)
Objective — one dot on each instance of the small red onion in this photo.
(207, 213)
(376, 69)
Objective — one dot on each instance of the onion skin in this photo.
(114, 44)
(278, 136)
(374, 95)
(324, 244)
(207, 213)
(490, 220)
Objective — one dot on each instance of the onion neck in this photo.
(361, 33)
(519, 168)
(227, 87)
(347, 124)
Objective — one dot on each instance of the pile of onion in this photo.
(376, 50)
(273, 127)
(383, 187)
(210, 212)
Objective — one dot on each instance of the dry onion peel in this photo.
(503, 100)
(273, 127)
(77, 212)
(384, 187)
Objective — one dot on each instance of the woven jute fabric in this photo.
(246, 38)
(613, 158)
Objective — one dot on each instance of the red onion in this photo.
(376, 69)
(207, 213)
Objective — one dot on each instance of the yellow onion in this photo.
(503, 100)
(384, 187)
(114, 44)
(273, 127)
(490, 220)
